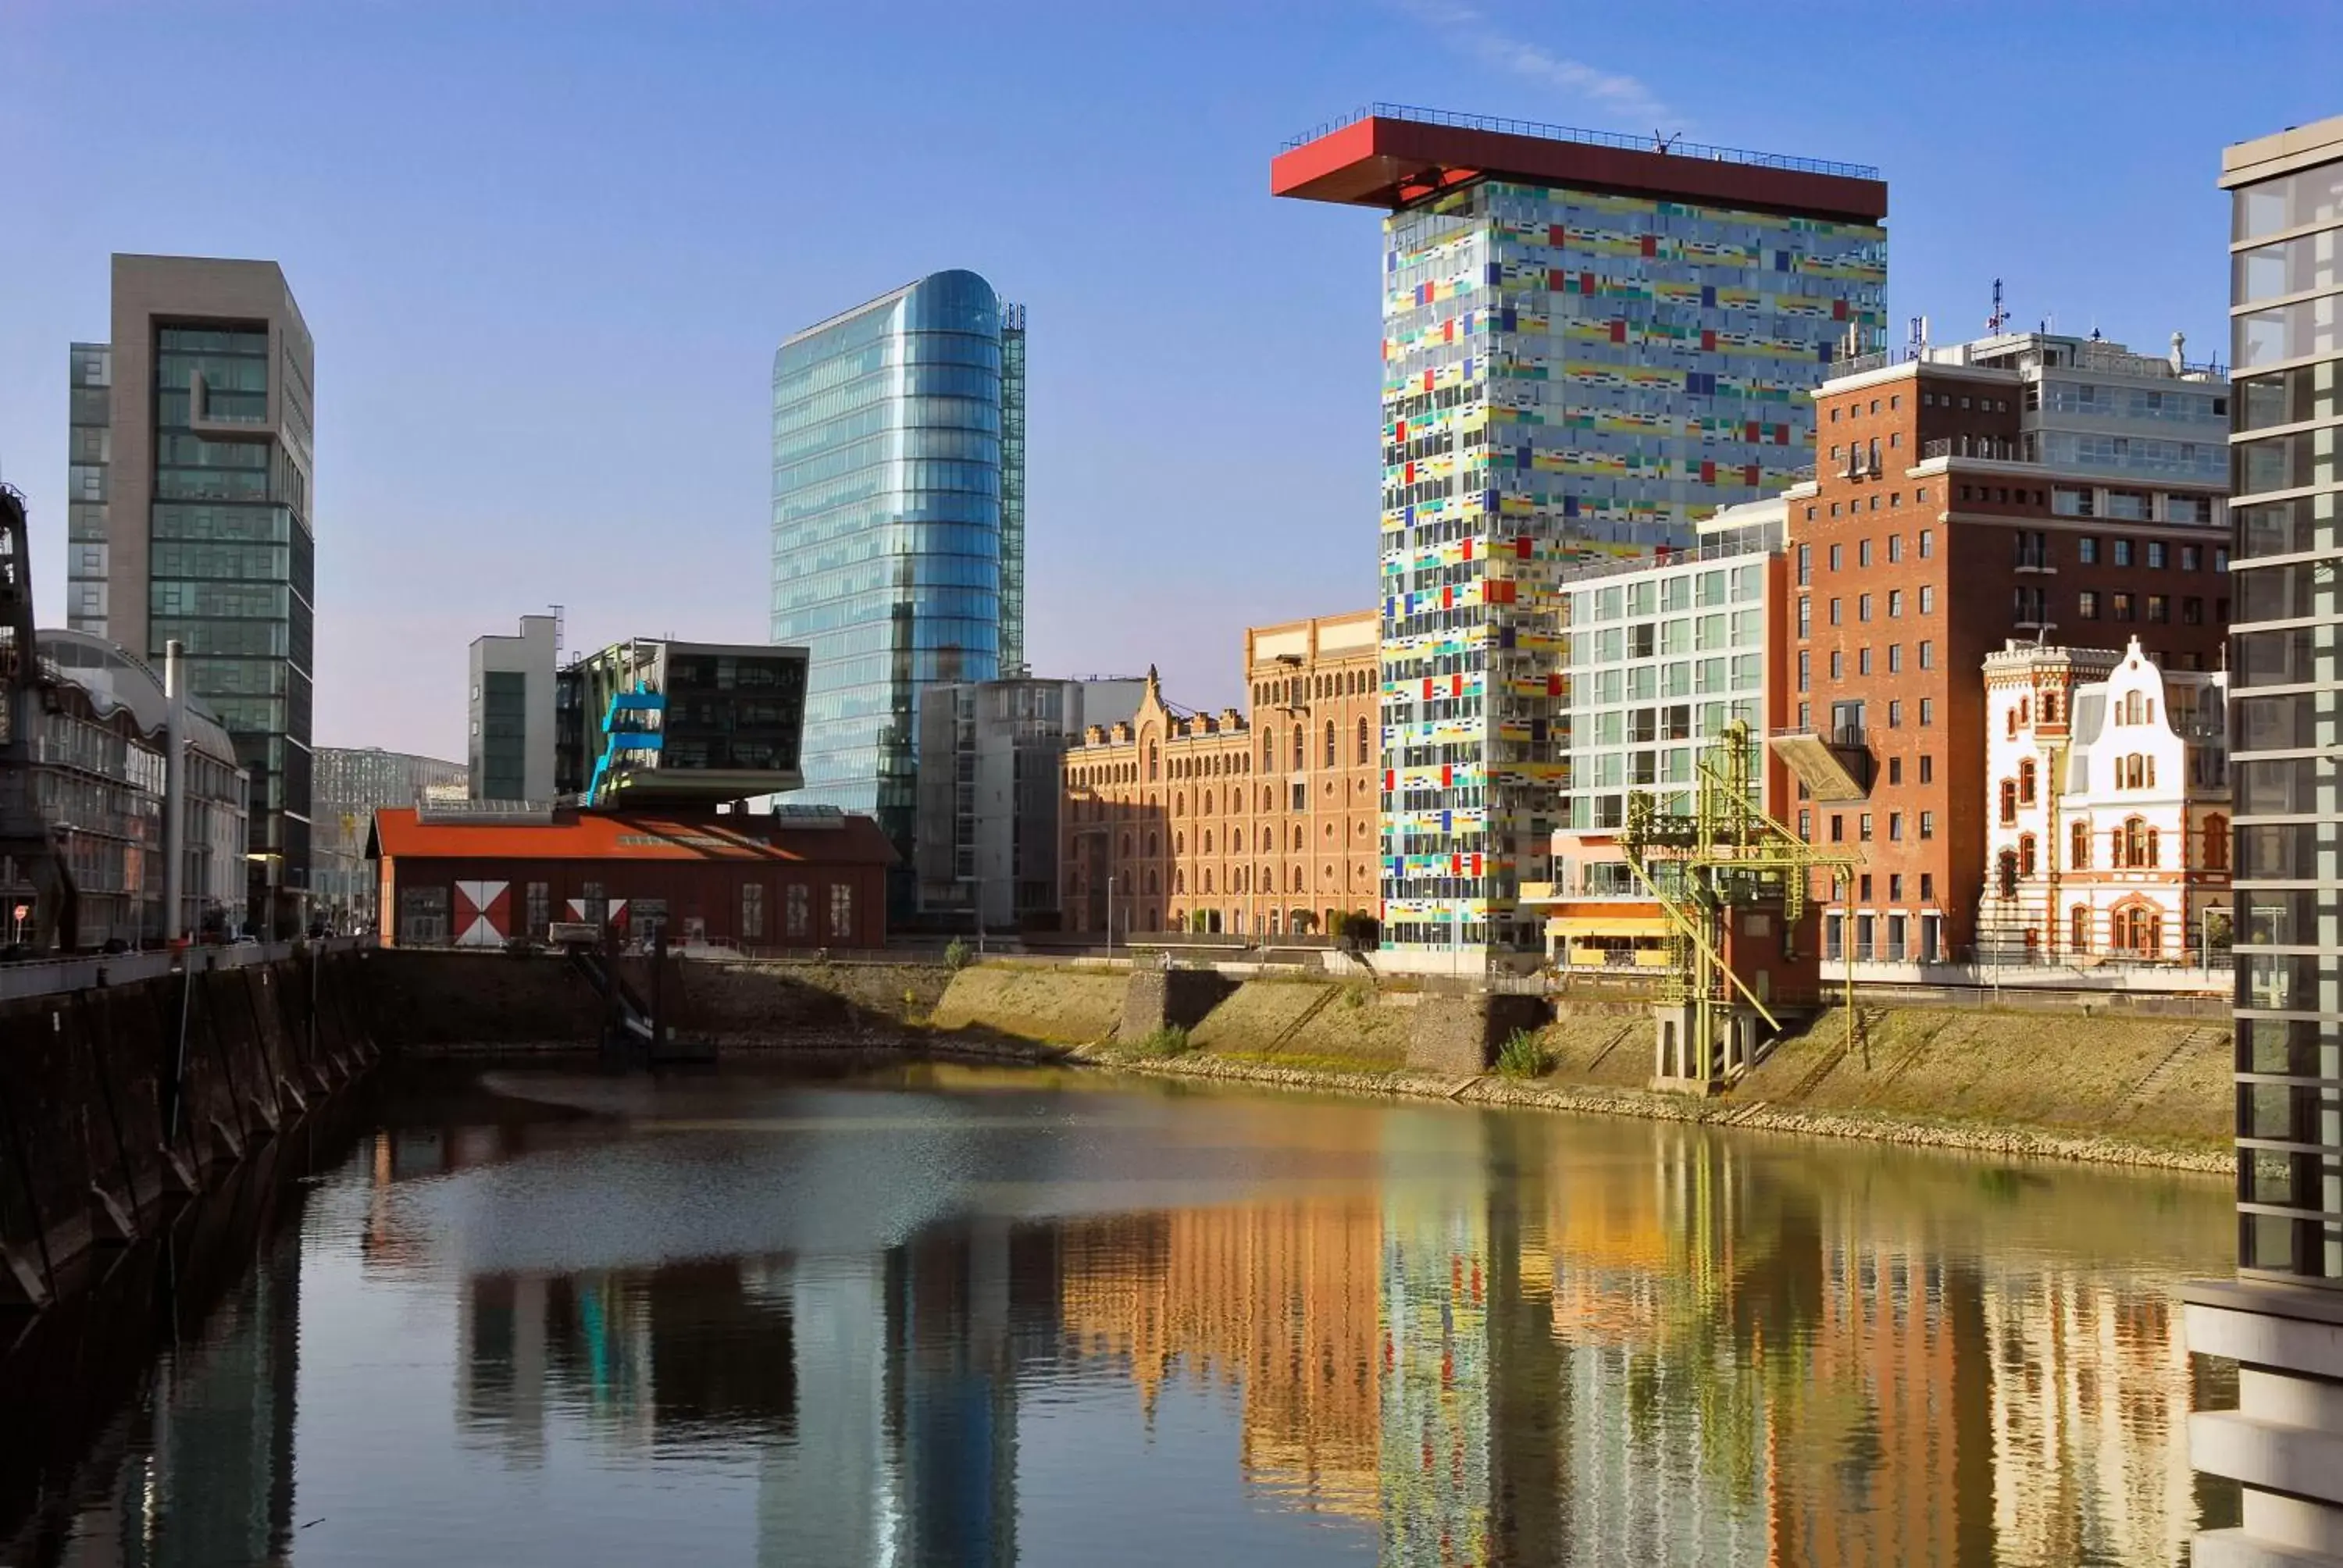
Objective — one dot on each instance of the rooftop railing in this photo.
(1671, 146)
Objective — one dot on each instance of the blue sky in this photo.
(546, 251)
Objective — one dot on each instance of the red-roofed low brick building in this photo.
(468, 878)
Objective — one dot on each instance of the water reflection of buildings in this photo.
(1696, 1355)
(1279, 1301)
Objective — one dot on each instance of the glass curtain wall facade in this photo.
(2287, 663)
(91, 455)
(231, 565)
(892, 549)
(1570, 377)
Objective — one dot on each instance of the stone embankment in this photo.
(2072, 1084)
(2136, 1090)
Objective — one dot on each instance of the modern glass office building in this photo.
(2281, 1321)
(898, 525)
(191, 520)
(1590, 344)
(2286, 635)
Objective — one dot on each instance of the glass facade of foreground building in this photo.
(2287, 663)
(1570, 376)
(897, 562)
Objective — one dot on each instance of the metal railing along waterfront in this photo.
(90, 971)
(1671, 146)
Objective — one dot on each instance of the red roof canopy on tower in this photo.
(1391, 161)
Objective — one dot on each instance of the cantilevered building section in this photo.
(1590, 344)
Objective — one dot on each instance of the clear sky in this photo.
(546, 251)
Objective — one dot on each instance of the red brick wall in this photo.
(708, 890)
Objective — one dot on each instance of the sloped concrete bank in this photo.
(2010, 1142)
(2136, 1091)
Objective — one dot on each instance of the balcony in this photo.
(2037, 561)
(1833, 763)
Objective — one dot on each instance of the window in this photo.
(2078, 930)
(1894, 548)
(752, 911)
(1805, 616)
(2119, 607)
(1927, 768)
(2122, 552)
(1863, 553)
(1366, 753)
(2155, 555)
(798, 910)
(1895, 603)
(1331, 759)
(1807, 826)
(1927, 654)
(1805, 670)
(2008, 802)
(2217, 843)
(1838, 829)
(1927, 599)
(1863, 661)
(2026, 855)
(2078, 847)
(2159, 608)
(541, 910)
(2192, 612)
(2192, 557)
(1863, 827)
(1300, 756)
(1835, 557)
(1894, 658)
(2025, 777)
(1927, 830)
(1928, 537)
(2087, 604)
(1927, 711)
(1895, 713)
(1863, 606)
(1838, 665)
(2086, 551)
(1806, 559)
(1834, 618)
(1895, 833)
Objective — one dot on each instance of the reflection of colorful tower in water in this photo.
(1435, 1382)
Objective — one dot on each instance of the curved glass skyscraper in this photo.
(898, 524)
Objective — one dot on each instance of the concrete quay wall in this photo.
(119, 1104)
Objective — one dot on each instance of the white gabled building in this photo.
(2107, 808)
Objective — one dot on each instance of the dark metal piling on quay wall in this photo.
(120, 1103)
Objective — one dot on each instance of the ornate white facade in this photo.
(2107, 808)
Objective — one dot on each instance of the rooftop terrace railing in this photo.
(1672, 146)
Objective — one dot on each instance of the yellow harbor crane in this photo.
(1726, 857)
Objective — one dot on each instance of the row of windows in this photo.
(1894, 500)
(1863, 607)
(1864, 823)
(1895, 715)
(1292, 691)
(1836, 557)
(2126, 607)
(1862, 662)
(2132, 846)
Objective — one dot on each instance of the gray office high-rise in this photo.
(898, 527)
(189, 519)
(2282, 1319)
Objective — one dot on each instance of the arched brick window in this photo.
(1364, 755)
(2078, 847)
(1330, 743)
(2217, 843)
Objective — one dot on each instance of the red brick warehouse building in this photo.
(2025, 485)
(464, 878)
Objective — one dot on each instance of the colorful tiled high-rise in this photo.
(1587, 348)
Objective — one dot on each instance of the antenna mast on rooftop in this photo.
(1999, 319)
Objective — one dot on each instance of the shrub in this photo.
(956, 954)
(1523, 1057)
(1170, 1040)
